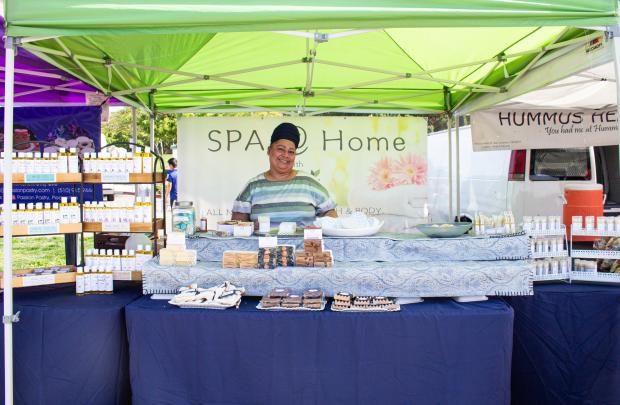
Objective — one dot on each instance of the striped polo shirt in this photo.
(299, 199)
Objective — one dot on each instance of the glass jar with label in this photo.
(184, 217)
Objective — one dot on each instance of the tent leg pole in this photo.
(616, 44)
(450, 213)
(458, 169)
(152, 132)
(8, 317)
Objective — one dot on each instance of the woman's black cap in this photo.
(288, 131)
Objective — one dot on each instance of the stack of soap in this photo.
(324, 259)
(243, 229)
(304, 259)
(313, 298)
(292, 301)
(267, 258)
(342, 300)
(313, 245)
(175, 252)
(281, 255)
(232, 259)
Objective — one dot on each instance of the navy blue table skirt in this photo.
(438, 352)
(567, 345)
(68, 349)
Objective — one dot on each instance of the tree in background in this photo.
(118, 127)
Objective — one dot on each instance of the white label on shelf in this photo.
(30, 281)
(40, 178)
(115, 226)
(43, 229)
(122, 275)
(267, 241)
(115, 177)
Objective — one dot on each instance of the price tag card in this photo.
(115, 177)
(30, 281)
(267, 241)
(43, 229)
(40, 178)
(115, 226)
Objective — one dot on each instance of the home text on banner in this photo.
(505, 129)
(375, 165)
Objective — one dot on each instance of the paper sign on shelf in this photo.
(30, 281)
(43, 229)
(267, 241)
(40, 178)
(115, 227)
(115, 177)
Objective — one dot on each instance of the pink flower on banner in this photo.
(410, 169)
(381, 175)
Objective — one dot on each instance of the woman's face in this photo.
(281, 156)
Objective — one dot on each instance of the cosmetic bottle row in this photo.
(92, 280)
(43, 163)
(118, 260)
(139, 212)
(119, 161)
(45, 213)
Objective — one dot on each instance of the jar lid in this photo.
(183, 203)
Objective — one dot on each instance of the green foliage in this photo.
(118, 128)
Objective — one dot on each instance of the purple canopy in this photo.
(38, 82)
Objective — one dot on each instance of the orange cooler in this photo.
(584, 200)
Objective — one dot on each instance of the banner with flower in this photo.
(376, 165)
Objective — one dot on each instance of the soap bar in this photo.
(287, 228)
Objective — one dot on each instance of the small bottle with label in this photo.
(38, 214)
(109, 282)
(128, 162)
(87, 279)
(147, 160)
(79, 282)
(62, 162)
(137, 160)
(131, 260)
(116, 260)
(73, 161)
(75, 211)
(203, 220)
(47, 213)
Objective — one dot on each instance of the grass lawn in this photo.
(39, 251)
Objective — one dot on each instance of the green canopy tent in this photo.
(309, 58)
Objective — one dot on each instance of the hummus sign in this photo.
(506, 129)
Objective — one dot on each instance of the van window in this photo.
(560, 164)
(516, 170)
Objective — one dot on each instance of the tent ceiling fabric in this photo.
(96, 17)
(228, 55)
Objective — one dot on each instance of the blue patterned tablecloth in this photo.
(396, 279)
(384, 248)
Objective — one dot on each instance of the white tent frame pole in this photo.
(420, 76)
(80, 65)
(8, 317)
(38, 74)
(124, 80)
(468, 95)
(147, 89)
(534, 60)
(450, 212)
(311, 35)
(457, 146)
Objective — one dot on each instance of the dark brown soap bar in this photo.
(279, 292)
(313, 293)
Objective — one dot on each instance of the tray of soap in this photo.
(386, 308)
(300, 308)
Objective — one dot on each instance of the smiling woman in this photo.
(283, 194)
